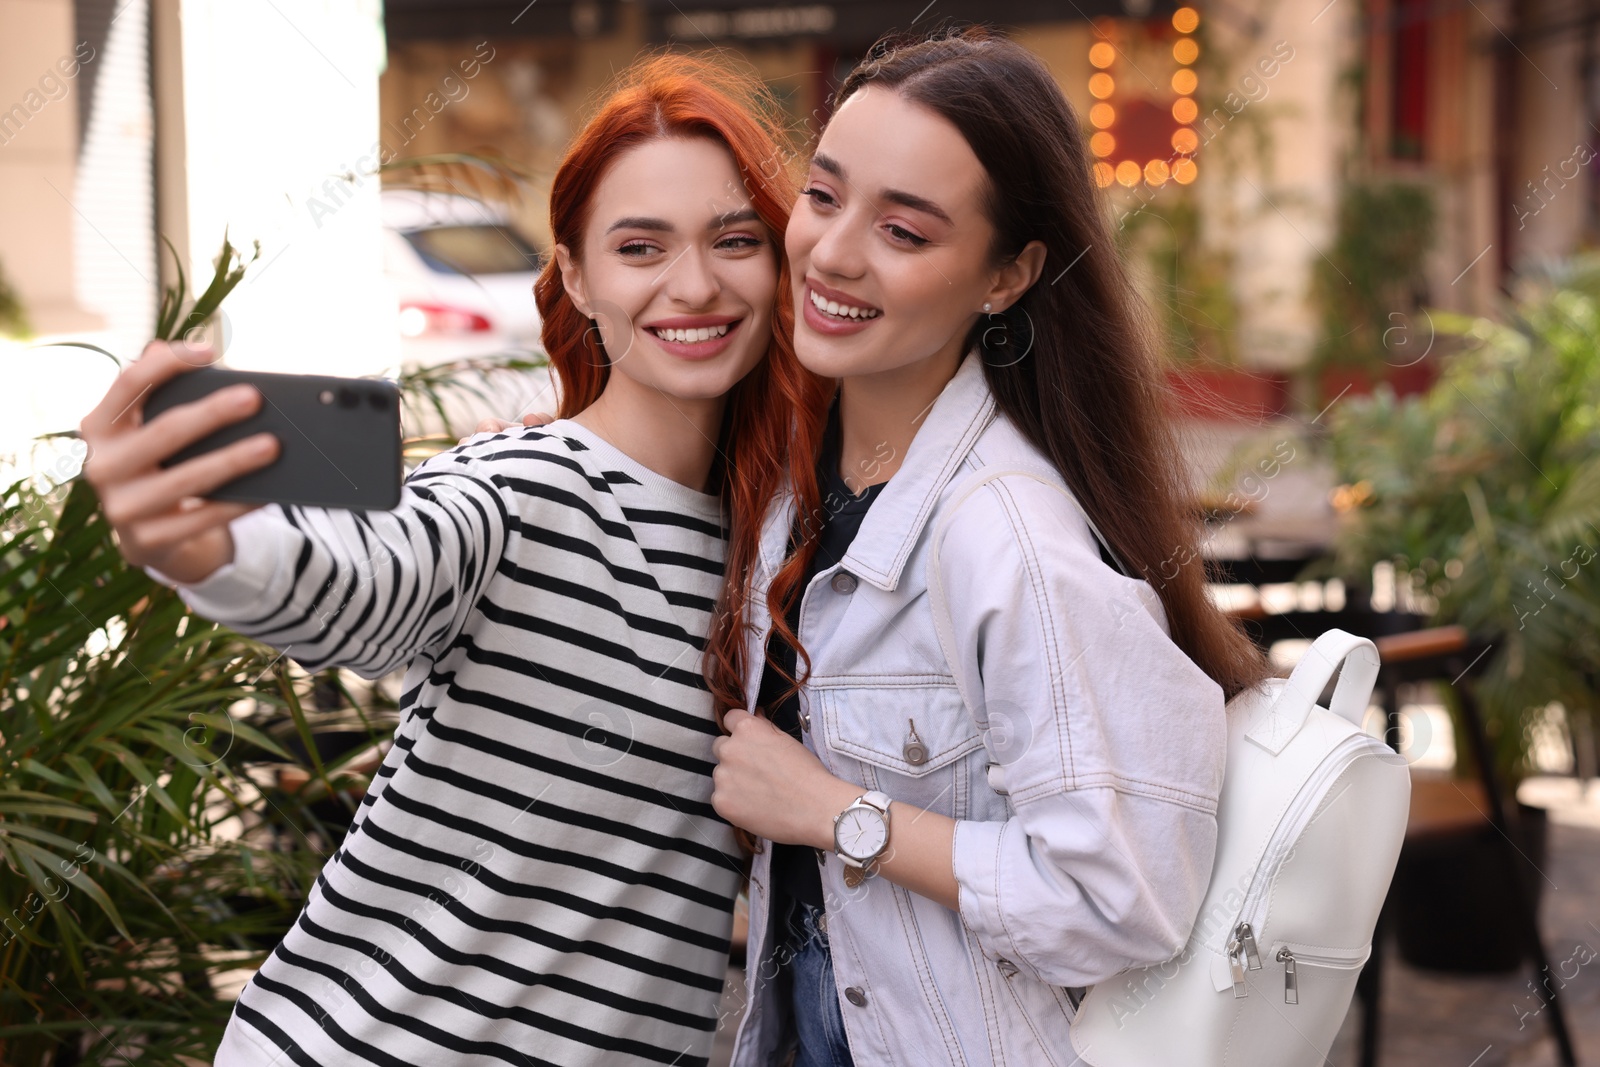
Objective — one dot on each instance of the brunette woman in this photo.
(948, 865)
(537, 874)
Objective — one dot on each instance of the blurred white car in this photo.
(462, 278)
(462, 275)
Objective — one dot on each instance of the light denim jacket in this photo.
(1107, 741)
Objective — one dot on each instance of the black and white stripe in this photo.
(536, 875)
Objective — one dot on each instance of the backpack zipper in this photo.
(1241, 954)
(1290, 959)
(1291, 981)
(1241, 948)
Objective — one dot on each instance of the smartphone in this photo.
(339, 438)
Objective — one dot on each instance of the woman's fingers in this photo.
(146, 505)
(142, 449)
(493, 425)
(157, 363)
(161, 492)
(496, 425)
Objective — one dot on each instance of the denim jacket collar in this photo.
(891, 528)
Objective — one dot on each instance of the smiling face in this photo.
(889, 247)
(677, 270)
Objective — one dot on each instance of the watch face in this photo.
(861, 833)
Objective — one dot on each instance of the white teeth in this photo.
(841, 311)
(695, 336)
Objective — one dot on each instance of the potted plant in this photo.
(1484, 495)
(1188, 284)
(1368, 290)
(13, 316)
(147, 837)
(125, 760)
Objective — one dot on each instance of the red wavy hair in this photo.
(773, 426)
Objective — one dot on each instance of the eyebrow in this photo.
(733, 218)
(639, 222)
(644, 222)
(894, 196)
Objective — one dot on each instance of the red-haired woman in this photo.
(537, 874)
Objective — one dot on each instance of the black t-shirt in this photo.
(794, 867)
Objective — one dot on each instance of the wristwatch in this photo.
(861, 835)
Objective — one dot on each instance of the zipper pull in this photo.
(1236, 966)
(1247, 937)
(1291, 982)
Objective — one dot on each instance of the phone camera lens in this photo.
(377, 401)
(326, 396)
(348, 398)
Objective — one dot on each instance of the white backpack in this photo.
(1310, 821)
(1312, 815)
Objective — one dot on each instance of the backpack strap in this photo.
(1354, 659)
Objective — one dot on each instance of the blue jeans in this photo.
(818, 1024)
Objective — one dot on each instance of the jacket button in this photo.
(916, 752)
(844, 583)
(1006, 967)
(855, 996)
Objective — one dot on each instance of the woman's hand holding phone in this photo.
(156, 512)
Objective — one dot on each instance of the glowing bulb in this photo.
(1102, 115)
(1102, 144)
(1186, 51)
(1156, 172)
(1102, 54)
(1184, 110)
(1184, 171)
(1185, 140)
(1101, 86)
(1184, 82)
(1104, 175)
(1185, 19)
(1128, 173)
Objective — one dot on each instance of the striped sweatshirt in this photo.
(536, 875)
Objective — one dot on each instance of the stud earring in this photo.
(987, 306)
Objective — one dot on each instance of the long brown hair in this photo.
(773, 423)
(1074, 364)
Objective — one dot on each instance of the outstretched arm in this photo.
(332, 588)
